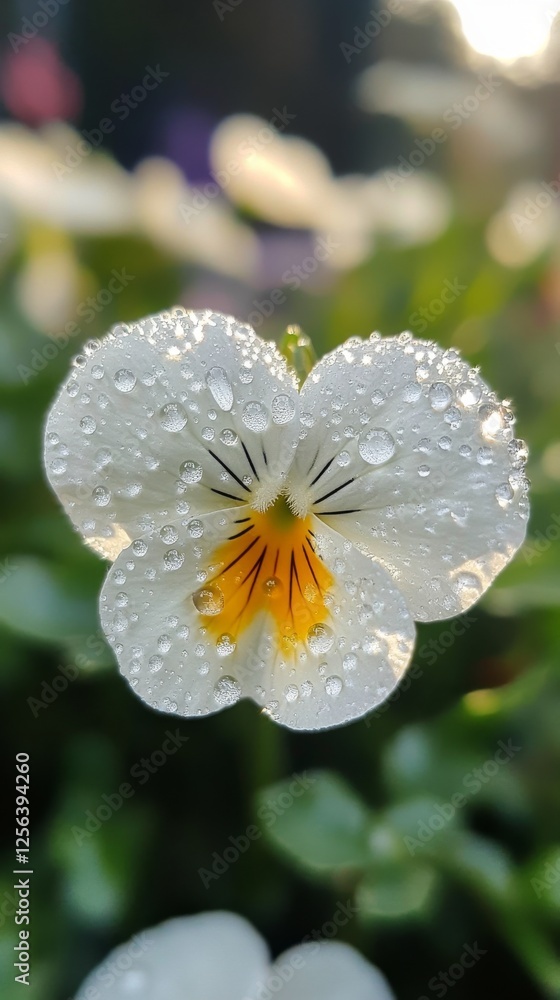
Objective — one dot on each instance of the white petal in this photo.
(423, 466)
(181, 661)
(329, 971)
(151, 420)
(211, 956)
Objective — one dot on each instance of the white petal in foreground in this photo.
(410, 455)
(211, 956)
(270, 607)
(175, 415)
(219, 956)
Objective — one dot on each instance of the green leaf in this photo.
(396, 891)
(34, 602)
(324, 827)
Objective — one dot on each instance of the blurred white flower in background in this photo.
(92, 197)
(286, 181)
(527, 225)
(219, 956)
(184, 222)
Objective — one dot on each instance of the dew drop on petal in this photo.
(225, 645)
(350, 661)
(195, 528)
(139, 547)
(423, 471)
(124, 380)
(220, 387)
(518, 452)
(58, 466)
(333, 686)
(101, 496)
(173, 559)
(209, 600)
(169, 534)
(468, 394)
(228, 437)
(440, 395)
(255, 416)
(320, 638)
(273, 588)
(468, 584)
(283, 409)
(191, 472)
(291, 693)
(484, 456)
(504, 495)
(227, 691)
(444, 443)
(88, 425)
(412, 392)
(376, 446)
(155, 663)
(173, 417)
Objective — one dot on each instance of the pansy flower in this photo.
(219, 956)
(274, 543)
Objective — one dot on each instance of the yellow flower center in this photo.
(268, 565)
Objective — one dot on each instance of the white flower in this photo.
(272, 544)
(219, 956)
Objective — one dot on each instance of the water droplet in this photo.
(440, 396)
(101, 496)
(97, 371)
(220, 387)
(225, 645)
(227, 691)
(333, 686)
(492, 423)
(155, 663)
(164, 643)
(344, 459)
(169, 534)
(228, 437)
(255, 416)
(121, 600)
(273, 588)
(465, 582)
(245, 376)
(58, 466)
(423, 471)
(283, 409)
(195, 528)
(518, 452)
(209, 600)
(173, 417)
(444, 443)
(125, 380)
(465, 450)
(191, 472)
(72, 388)
(468, 394)
(173, 559)
(350, 661)
(453, 417)
(291, 693)
(412, 392)
(139, 547)
(208, 433)
(88, 425)
(504, 495)
(484, 456)
(376, 446)
(320, 638)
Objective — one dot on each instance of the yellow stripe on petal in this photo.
(268, 565)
